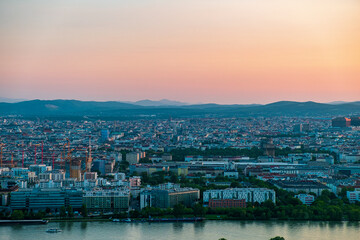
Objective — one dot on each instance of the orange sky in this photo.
(224, 51)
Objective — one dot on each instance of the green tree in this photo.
(40, 215)
(174, 178)
(62, 211)
(70, 211)
(354, 214)
(84, 211)
(199, 210)
(235, 185)
(268, 204)
(179, 210)
(17, 215)
(134, 214)
(30, 214)
(48, 210)
(144, 178)
(277, 238)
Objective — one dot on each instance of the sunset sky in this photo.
(224, 51)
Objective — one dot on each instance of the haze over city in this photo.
(194, 51)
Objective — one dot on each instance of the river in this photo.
(208, 230)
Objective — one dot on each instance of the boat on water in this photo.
(127, 220)
(53, 230)
(116, 220)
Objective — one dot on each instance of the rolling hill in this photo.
(63, 108)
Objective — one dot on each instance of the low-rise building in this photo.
(306, 199)
(231, 174)
(353, 196)
(251, 195)
(40, 199)
(301, 185)
(227, 203)
(133, 157)
(169, 198)
(107, 201)
(135, 181)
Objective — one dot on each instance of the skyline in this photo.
(164, 102)
(191, 51)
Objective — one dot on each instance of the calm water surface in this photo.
(208, 230)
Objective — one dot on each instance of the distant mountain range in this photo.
(11, 100)
(167, 108)
(162, 102)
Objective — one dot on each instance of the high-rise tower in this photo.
(89, 160)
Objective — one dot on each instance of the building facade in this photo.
(169, 198)
(306, 199)
(341, 122)
(353, 196)
(40, 199)
(107, 201)
(133, 157)
(227, 203)
(250, 195)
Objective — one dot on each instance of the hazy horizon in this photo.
(227, 52)
(12, 100)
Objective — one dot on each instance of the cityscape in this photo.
(187, 169)
(209, 120)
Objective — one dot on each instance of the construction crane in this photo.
(36, 145)
(68, 157)
(1, 154)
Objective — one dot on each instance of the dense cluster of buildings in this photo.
(342, 122)
(47, 164)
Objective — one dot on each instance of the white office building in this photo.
(251, 195)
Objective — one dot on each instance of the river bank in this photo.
(209, 230)
(209, 217)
